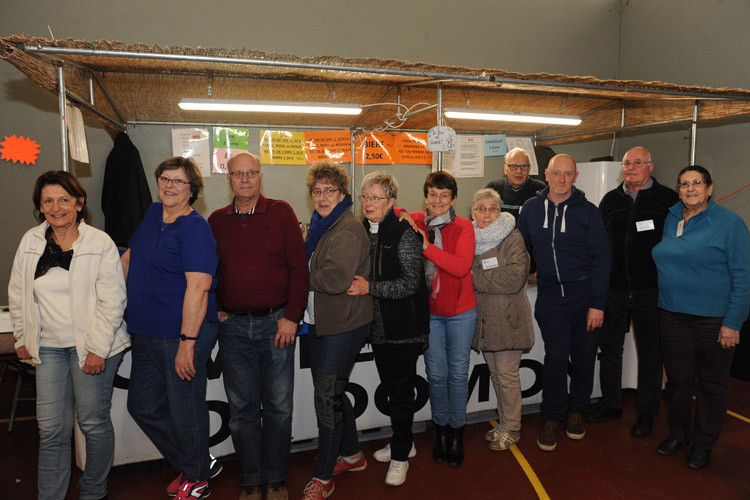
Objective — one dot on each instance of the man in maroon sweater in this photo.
(261, 296)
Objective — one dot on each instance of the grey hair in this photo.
(519, 150)
(485, 193)
(386, 180)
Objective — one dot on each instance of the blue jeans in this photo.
(258, 374)
(173, 413)
(61, 385)
(447, 366)
(332, 358)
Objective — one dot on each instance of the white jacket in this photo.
(97, 291)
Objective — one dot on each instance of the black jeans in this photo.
(563, 325)
(640, 306)
(397, 367)
(691, 350)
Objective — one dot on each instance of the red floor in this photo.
(607, 464)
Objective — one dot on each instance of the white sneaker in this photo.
(505, 440)
(384, 454)
(396, 473)
(494, 433)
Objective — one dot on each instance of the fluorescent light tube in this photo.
(270, 106)
(511, 116)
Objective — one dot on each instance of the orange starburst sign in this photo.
(20, 148)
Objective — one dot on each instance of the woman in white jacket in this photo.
(67, 300)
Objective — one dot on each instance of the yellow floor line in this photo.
(737, 415)
(530, 474)
(17, 419)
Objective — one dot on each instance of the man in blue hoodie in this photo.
(566, 236)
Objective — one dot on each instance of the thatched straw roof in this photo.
(139, 83)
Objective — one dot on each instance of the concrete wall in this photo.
(667, 41)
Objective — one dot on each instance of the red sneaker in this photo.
(344, 466)
(315, 490)
(174, 486)
(190, 490)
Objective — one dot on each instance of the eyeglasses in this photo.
(238, 175)
(317, 193)
(637, 163)
(686, 184)
(515, 166)
(375, 199)
(164, 180)
(483, 210)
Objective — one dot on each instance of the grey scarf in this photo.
(434, 225)
(494, 234)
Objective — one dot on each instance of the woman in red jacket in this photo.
(448, 248)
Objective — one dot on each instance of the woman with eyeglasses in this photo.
(337, 249)
(448, 249)
(504, 329)
(170, 267)
(703, 264)
(401, 313)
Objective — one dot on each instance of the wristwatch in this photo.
(185, 337)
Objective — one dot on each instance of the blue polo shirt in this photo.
(160, 255)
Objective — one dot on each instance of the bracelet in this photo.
(184, 337)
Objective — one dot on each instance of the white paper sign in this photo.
(441, 138)
(192, 143)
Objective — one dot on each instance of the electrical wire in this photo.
(733, 193)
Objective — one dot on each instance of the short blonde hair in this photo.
(382, 178)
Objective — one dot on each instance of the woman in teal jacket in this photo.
(703, 262)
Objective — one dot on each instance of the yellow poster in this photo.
(282, 147)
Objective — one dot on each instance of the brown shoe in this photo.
(250, 493)
(574, 425)
(277, 491)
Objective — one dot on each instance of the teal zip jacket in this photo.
(706, 270)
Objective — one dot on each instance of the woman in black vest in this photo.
(400, 327)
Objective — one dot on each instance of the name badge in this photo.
(490, 263)
(680, 227)
(645, 225)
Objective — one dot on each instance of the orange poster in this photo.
(411, 149)
(375, 148)
(328, 145)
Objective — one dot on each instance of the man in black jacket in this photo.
(634, 215)
(517, 187)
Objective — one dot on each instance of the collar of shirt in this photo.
(519, 187)
(634, 194)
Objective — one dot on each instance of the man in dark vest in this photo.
(634, 215)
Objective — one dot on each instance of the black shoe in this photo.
(440, 450)
(698, 459)
(600, 413)
(456, 447)
(642, 426)
(670, 446)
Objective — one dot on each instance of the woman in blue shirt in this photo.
(703, 262)
(170, 266)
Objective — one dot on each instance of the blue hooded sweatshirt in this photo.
(570, 246)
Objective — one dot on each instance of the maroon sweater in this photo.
(262, 261)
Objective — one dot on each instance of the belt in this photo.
(261, 312)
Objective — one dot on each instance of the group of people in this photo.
(409, 283)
